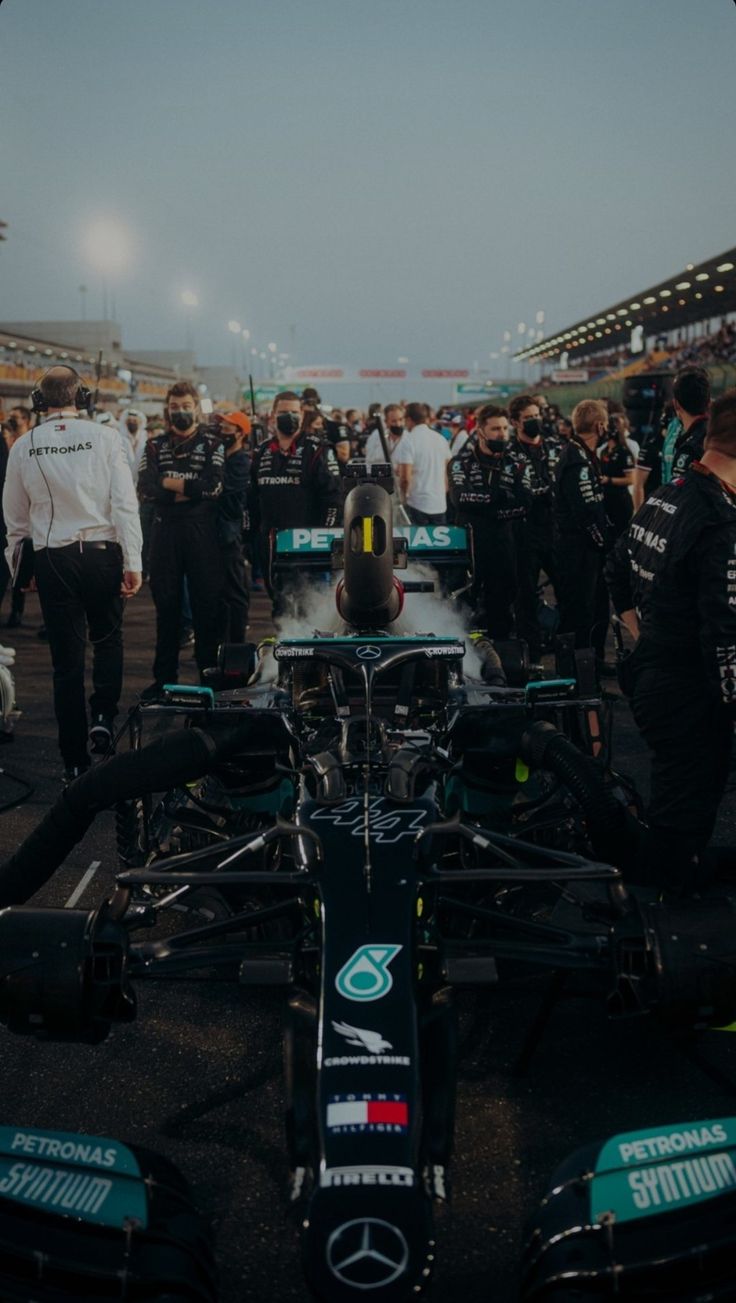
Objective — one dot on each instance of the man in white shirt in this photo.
(394, 422)
(69, 486)
(421, 460)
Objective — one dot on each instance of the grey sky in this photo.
(391, 177)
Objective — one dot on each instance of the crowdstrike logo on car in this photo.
(373, 1045)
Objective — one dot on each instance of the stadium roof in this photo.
(698, 292)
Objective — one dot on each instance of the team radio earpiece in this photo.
(82, 398)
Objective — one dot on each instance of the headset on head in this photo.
(82, 398)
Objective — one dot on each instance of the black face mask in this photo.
(287, 423)
(396, 430)
(532, 427)
(493, 445)
(132, 426)
(182, 420)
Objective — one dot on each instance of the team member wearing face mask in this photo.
(584, 531)
(535, 536)
(235, 430)
(294, 483)
(487, 493)
(182, 474)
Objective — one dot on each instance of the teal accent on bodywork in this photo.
(663, 1169)
(191, 690)
(90, 1178)
(280, 800)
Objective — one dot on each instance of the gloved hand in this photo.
(7, 655)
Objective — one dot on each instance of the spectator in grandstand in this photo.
(534, 535)
(393, 420)
(182, 475)
(682, 443)
(422, 458)
(583, 531)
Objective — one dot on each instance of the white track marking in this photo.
(83, 883)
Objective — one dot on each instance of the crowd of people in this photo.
(191, 504)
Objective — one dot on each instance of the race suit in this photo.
(297, 487)
(534, 536)
(486, 493)
(184, 544)
(583, 533)
(689, 447)
(676, 566)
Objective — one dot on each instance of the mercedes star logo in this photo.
(368, 653)
(367, 1253)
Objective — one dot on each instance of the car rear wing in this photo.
(323, 549)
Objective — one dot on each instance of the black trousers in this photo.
(690, 735)
(80, 591)
(582, 593)
(234, 598)
(534, 553)
(182, 547)
(495, 587)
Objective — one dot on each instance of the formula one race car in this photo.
(373, 818)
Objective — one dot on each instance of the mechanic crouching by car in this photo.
(294, 483)
(583, 531)
(487, 493)
(673, 583)
(182, 474)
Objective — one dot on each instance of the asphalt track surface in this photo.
(198, 1075)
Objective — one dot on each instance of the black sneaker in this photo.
(71, 772)
(152, 693)
(187, 637)
(14, 620)
(100, 735)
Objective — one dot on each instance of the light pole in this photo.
(107, 246)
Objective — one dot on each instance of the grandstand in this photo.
(690, 317)
(27, 348)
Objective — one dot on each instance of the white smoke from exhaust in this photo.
(430, 615)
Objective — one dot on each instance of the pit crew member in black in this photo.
(69, 487)
(690, 400)
(673, 582)
(182, 473)
(535, 550)
(486, 492)
(294, 482)
(583, 531)
(232, 507)
(617, 475)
